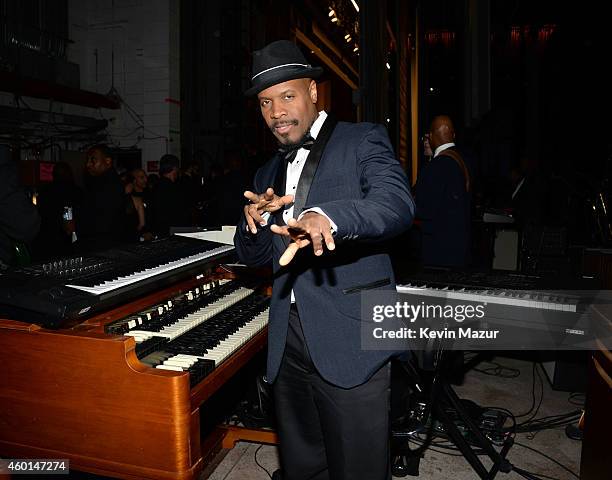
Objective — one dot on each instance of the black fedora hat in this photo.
(278, 62)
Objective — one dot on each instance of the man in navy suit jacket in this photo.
(443, 197)
(321, 209)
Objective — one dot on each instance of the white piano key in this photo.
(169, 367)
(185, 324)
(183, 363)
(227, 346)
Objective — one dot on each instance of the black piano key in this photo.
(149, 346)
(204, 337)
(200, 370)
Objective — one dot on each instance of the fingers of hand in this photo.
(317, 242)
(318, 238)
(292, 249)
(277, 203)
(318, 228)
(288, 255)
(251, 196)
(249, 218)
(255, 213)
(295, 225)
(269, 195)
(329, 239)
(252, 215)
(286, 200)
(280, 230)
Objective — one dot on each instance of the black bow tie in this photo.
(289, 152)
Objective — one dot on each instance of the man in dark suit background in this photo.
(169, 202)
(443, 197)
(100, 217)
(320, 211)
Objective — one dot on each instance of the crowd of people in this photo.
(112, 208)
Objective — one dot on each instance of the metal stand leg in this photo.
(448, 397)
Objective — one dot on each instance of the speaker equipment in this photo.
(568, 371)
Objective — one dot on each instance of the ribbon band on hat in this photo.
(281, 66)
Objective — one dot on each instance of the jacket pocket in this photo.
(367, 286)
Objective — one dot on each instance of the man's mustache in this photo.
(283, 123)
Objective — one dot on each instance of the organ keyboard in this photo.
(503, 289)
(51, 293)
(119, 393)
(517, 298)
(515, 302)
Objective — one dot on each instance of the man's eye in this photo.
(264, 103)
(289, 96)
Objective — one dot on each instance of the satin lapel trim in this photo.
(312, 163)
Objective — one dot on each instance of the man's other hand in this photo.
(311, 228)
(261, 203)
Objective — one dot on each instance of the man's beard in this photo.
(285, 141)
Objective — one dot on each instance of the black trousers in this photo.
(328, 432)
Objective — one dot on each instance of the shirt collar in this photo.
(443, 147)
(318, 123)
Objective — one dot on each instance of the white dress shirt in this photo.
(443, 147)
(294, 171)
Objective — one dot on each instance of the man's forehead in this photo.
(280, 88)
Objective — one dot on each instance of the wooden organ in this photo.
(114, 393)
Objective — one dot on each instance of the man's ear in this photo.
(313, 91)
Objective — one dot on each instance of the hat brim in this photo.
(311, 72)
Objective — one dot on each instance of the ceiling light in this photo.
(354, 2)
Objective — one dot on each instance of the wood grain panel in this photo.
(84, 395)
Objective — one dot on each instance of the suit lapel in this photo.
(312, 162)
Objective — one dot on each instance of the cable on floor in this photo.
(498, 370)
(547, 457)
(259, 464)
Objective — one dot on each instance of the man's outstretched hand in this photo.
(260, 203)
(311, 228)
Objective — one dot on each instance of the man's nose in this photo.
(277, 111)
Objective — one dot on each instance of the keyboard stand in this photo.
(446, 397)
(442, 399)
